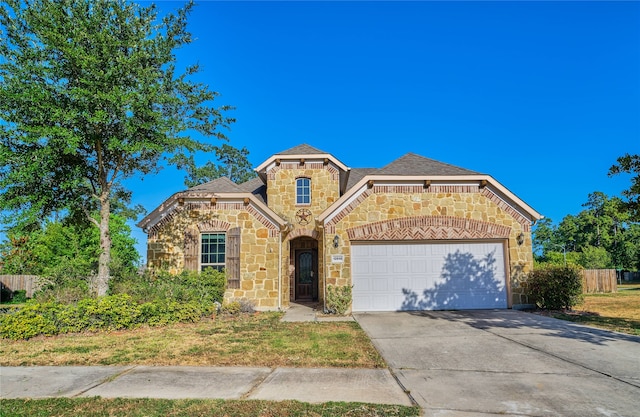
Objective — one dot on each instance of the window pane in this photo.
(212, 251)
(303, 191)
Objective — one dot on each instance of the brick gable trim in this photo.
(487, 192)
(429, 228)
(215, 225)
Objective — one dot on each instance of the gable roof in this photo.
(303, 152)
(356, 174)
(412, 164)
(409, 167)
(219, 185)
(302, 149)
(256, 187)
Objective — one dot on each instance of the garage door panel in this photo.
(400, 266)
(380, 284)
(403, 276)
(419, 266)
(401, 282)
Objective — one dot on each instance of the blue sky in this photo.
(543, 96)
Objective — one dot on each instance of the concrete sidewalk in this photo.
(313, 385)
(376, 386)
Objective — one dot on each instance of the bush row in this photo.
(152, 299)
(113, 312)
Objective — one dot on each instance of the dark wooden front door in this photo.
(306, 275)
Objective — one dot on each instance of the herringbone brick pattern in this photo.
(429, 228)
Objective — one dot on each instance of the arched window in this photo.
(303, 191)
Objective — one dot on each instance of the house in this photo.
(417, 234)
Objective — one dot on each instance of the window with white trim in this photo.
(212, 251)
(303, 191)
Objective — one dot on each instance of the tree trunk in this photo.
(101, 284)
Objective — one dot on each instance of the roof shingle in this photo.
(416, 165)
(219, 185)
(303, 149)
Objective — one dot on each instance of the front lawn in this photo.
(259, 339)
(615, 311)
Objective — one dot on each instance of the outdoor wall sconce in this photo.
(520, 238)
(336, 241)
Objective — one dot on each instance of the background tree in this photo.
(89, 96)
(630, 164)
(601, 236)
(232, 163)
(66, 252)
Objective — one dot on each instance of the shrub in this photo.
(168, 312)
(238, 306)
(153, 299)
(232, 308)
(68, 292)
(338, 299)
(19, 296)
(29, 321)
(246, 305)
(555, 287)
(204, 287)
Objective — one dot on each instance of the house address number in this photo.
(337, 259)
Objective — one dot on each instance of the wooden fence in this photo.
(20, 282)
(599, 280)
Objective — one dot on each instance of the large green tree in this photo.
(233, 163)
(90, 95)
(630, 164)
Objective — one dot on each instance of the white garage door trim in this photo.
(395, 276)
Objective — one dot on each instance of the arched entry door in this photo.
(305, 262)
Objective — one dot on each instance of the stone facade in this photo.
(281, 187)
(259, 248)
(431, 214)
(287, 250)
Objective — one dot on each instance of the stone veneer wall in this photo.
(466, 212)
(281, 188)
(281, 197)
(259, 247)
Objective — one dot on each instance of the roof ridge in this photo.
(302, 149)
(414, 164)
(220, 182)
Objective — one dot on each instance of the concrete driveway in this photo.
(505, 362)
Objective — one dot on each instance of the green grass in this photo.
(99, 407)
(246, 340)
(618, 311)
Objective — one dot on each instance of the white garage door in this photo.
(434, 276)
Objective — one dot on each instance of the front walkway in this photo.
(299, 312)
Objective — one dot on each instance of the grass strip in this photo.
(113, 407)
